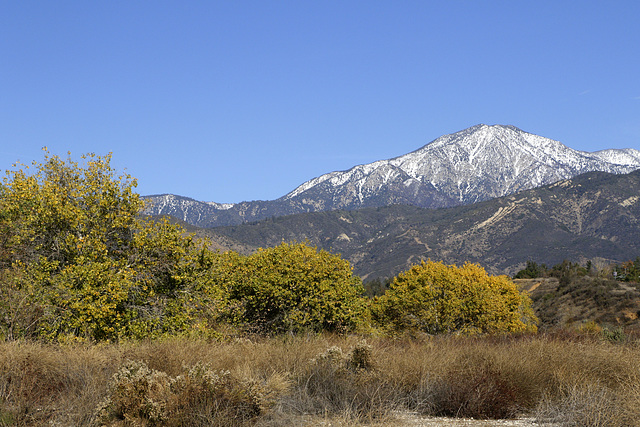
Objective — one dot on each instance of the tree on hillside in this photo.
(75, 258)
(436, 298)
(531, 271)
(566, 272)
(628, 271)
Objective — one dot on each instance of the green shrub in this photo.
(614, 335)
(531, 271)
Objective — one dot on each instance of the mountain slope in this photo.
(476, 164)
(593, 216)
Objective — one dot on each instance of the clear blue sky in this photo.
(241, 100)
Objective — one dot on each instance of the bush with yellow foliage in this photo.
(293, 287)
(435, 298)
(76, 260)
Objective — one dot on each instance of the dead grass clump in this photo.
(313, 379)
(506, 377)
(201, 396)
(42, 382)
(469, 378)
(475, 387)
(594, 383)
(345, 384)
(588, 405)
(462, 377)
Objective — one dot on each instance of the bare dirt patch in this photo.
(415, 420)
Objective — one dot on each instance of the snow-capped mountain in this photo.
(184, 208)
(478, 163)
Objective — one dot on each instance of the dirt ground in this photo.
(408, 419)
(412, 420)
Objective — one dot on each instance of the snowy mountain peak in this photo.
(475, 164)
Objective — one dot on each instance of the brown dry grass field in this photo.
(567, 378)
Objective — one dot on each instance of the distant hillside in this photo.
(601, 300)
(217, 242)
(476, 164)
(594, 216)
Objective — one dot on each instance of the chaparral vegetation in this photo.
(108, 317)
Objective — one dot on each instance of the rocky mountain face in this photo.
(476, 164)
(595, 216)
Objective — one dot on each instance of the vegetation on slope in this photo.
(108, 318)
(78, 263)
(568, 294)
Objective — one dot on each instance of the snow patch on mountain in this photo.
(221, 206)
(184, 208)
(479, 163)
(625, 156)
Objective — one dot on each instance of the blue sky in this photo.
(242, 100)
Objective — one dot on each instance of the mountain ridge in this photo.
(475, 164)
(595, 216)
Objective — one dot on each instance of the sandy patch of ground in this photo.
(414, 420)
(408, 419)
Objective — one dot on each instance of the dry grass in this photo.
(40, 383)
(307, 380)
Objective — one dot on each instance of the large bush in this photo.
(76, 261)
(436, 298)
(294, 287)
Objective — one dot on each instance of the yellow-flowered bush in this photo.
(76, 259)
(293, 287)
(435, 298)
